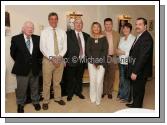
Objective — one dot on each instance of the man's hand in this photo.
(56, 61)
(57, 65)
(97, 66)
(133, 76)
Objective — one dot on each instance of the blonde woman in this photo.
(96, 50)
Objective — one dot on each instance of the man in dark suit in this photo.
(140, 62)
(26, 55)
(76, 40)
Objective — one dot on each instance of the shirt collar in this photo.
(52, 28)
(25, 37)
(140, 34)
(129, 36)
(78, 32)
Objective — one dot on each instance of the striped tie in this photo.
(28, 44)
(80, 46)
(56, 49)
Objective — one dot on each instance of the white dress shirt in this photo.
(125, 45)
(47, 42)
(82, 42)
(31, 43)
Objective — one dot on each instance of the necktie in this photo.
(56, 49)
(80, 45)
(134, 42)
(28, 44)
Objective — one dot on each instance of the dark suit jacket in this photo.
(23, 60)
(73, 47)
(142, 55)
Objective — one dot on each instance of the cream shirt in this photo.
(47, 42)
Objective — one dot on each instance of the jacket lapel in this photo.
(75, 38)
(139, 39)
(85, 37)
(137, 42)
(33, 42)
(24, 44)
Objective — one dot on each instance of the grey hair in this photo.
(78, 19)
(25, 24)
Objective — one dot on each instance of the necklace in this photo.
(96, 40)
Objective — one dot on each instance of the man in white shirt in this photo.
(53, 45)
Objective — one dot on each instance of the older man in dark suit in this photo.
(26, 55)
(76, 40)
(140, 62)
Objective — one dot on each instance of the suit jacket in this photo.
(23, 60)
(116, 39)
(73, 47)
(141, 56)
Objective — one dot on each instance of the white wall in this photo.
(38, 14)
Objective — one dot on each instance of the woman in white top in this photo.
(123, 50)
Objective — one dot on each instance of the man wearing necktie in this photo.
(53, 45)
(140, 65)
(73, 74)
(27, 58)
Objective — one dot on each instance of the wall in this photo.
(38, 14)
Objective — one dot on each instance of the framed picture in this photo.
(70, 20)
(7, 19)
(7, 24)
(151, 25)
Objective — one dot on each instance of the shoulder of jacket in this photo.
(85, 33)
(17, 36)
(115, 32)
(36, 36)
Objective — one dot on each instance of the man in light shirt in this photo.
(53, 45)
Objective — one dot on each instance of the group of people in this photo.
(65, 55)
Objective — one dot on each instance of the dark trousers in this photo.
(22, 85)
(109, 78)
(138, 91)
(73, 80)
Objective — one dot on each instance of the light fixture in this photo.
(123, 17)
